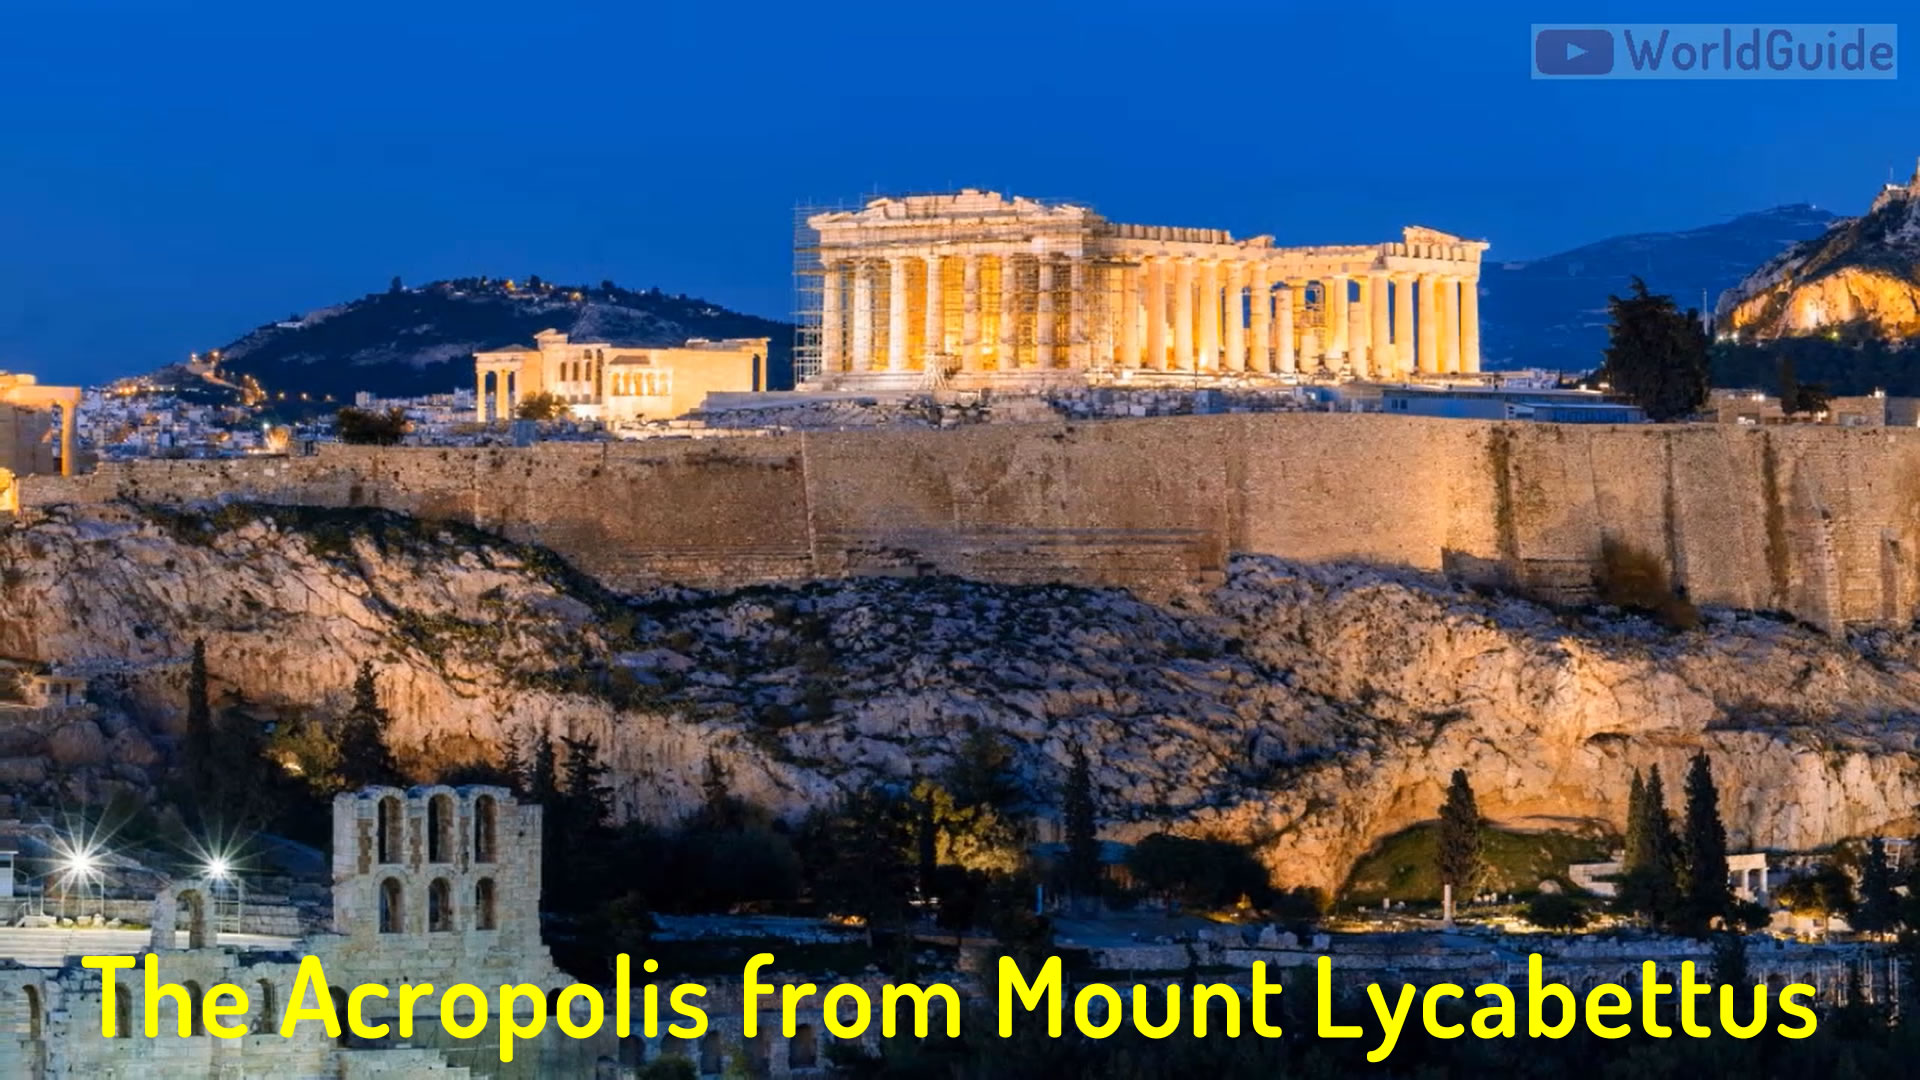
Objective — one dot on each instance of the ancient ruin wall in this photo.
(1821, 522)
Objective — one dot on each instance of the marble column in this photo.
(862, 316)
(897, 314)
(1335, 312)
(934, 335)
(1428, 332)
(1043, 314)
(1208, 312)
(833, 346)
(480, 397)
(1236, 284)
(1402, 325)
(1183, 314)
(1381, 351)
(1079, 349)
(1129, 317)
(1156, 313)
(1470, 324)
(1260, 301)
(1359, 324)
(1007, 355)
(970, 313)
(1450, 342)
(1283, 359)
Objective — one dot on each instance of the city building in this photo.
(978, 290)
(1508, 403)
(616, 383)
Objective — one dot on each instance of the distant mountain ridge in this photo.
(1551, 312)
(414, 341)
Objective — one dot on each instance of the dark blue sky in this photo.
(169, 179)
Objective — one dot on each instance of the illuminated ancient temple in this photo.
(975, 289)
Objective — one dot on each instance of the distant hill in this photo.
(1552, 312)
(420, 340)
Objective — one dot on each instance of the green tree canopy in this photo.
(1656, 354)
(1459, 844)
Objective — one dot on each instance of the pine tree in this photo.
(584, 790)
(199, 721)
(365, 757)
(1083, 842)
(1704, 851)
(1459, 855)
(543, 783)
(1879, 904)
(1657, 355)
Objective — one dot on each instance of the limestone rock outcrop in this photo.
(1309, 710)
(1863, 270)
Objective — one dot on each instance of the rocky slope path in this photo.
(1312, 710)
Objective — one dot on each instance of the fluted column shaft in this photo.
(1283, 358)
(1450, 324)
(1380, 353)
(1208, 313)
(897, 314)
(1359, 325)
(933, 336)
(1470, 324)
(862, 316)
(833, 356)
(1156, 313)
(1260, 304)
(1402, 325)
(1078, 347)
(1183, 314)
(1043, 314)
(1129, 312)
(1236, 358)
(970, 313)
(1336, 315)
(1428, 332)
(1007, 357)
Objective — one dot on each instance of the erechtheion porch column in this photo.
(1260, 297)
(1236, 359)
(833, 357)
(970, 313)
(1470, 324)
(1382, 346)
(1007, 355)
(862, 316)
(1283, 358)
(1450, 324)
(1336, 315)
(1183, 314)
(1156, 313)
(1208, 313)
(897, 313)
(1429, 328)
(934, 334)
(1043, 313)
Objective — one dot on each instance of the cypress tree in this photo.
(1705, 850)
(1459, 855)
(364, 755)
(1649, 886)
(1879, 904)
(199, 720)
(1083, 842)
(584, 790)
(1635, 843)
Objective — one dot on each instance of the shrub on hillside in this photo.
(1636, 579)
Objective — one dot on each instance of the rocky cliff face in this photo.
(1309, 710)
(1863, 270)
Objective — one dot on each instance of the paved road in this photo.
(51, 946)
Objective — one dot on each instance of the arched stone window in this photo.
(440, 829)
(483, 904)
(802, 1050)
(339, 997)
(439, 906)
(392, 907)
(36, 1015)
(123, 1014)
(266, 1017)
(710, 1056)
(195, 905)
(195, 1012)
(387, 831)
(486, 828)
(633, 1050)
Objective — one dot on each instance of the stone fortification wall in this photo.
(1820, 522)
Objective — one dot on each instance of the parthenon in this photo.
(975, 289)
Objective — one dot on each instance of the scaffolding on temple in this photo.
(808, 293)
